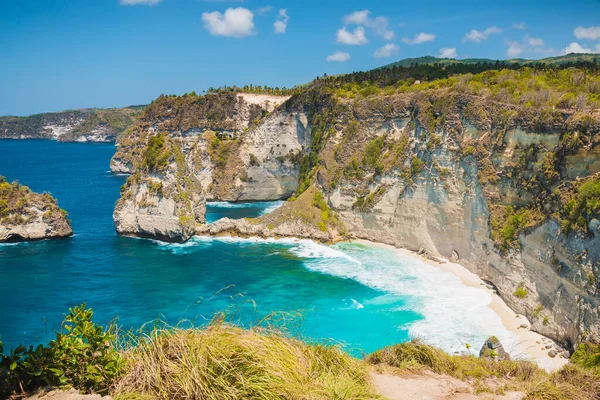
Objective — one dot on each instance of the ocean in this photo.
(359, 296)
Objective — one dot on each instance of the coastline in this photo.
(530, 345)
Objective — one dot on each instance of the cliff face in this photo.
(86, 125)
(236, 149)
(508, 188)
(162, 199)
(25, 215)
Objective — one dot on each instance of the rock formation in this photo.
(163, 199)
(493, 349)
(508, 190)
(25, 215)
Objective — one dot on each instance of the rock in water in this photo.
(25, 215)
(492, 349)
(162, 199)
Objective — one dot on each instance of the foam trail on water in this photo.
(453, 314)
(267, 205)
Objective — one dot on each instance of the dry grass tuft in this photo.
(570, 382)
(222, 361)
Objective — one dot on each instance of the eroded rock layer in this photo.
(26, 216)
(507, 186)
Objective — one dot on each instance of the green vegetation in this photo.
(537, 311)
(507, 223)
(157, 153)
(254, 89)
(224, 361)
(217, 361)
(116, 120)
(373, 153)
(310, 208)
(366, 203)
(583, 205)
(113, 121)
(17, 203)
(587, 355)
(498, 377)
(529, 87)
(566, 59)
(521, 292)
(82, 355)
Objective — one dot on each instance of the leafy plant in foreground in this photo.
(82, 356)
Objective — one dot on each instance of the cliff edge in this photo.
(25, 215)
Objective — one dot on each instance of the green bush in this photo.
(587, 355)
(82, 356)
(157, 154)
(521, 292)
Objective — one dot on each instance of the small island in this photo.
(27, 216)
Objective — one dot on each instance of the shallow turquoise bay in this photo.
(361, 296)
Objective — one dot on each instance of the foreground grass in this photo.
(570, 382)
(222, 361)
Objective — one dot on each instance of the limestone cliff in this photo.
(498, 171)
(235, 146)
(85, 125)
(25, 215)
(162, 199)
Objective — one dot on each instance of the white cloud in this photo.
(592, 33)
(235, 22)
(352, 38)
(282, 20)
(514, 49)
(519, 25)
(136, 2)
(380, 25)
(575, 47)
(388, 50)
(534, 42)
(420, 38)
(448, 52)
(338, 56)
(264, 10)
(478, 36)
(357, 18)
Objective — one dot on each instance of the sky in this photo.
(67, 54)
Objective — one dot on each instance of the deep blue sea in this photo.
(361, 296)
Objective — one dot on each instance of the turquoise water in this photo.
(361, 296)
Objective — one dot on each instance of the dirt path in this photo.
(72, 394)
(431, 387)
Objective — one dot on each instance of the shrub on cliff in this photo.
(82, 355)
(156, 155)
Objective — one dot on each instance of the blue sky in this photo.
(66, 54)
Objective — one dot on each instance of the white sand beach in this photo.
(530, 345)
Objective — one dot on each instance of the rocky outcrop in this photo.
(26, 216)
(493, 349)
(163, 199)
(307, 217)
(85, 125)
(460, 176)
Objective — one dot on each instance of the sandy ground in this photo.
(530, 345)
(431, 387)
(71, 394)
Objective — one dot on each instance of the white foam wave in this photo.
(453, 314)
(268, 206)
